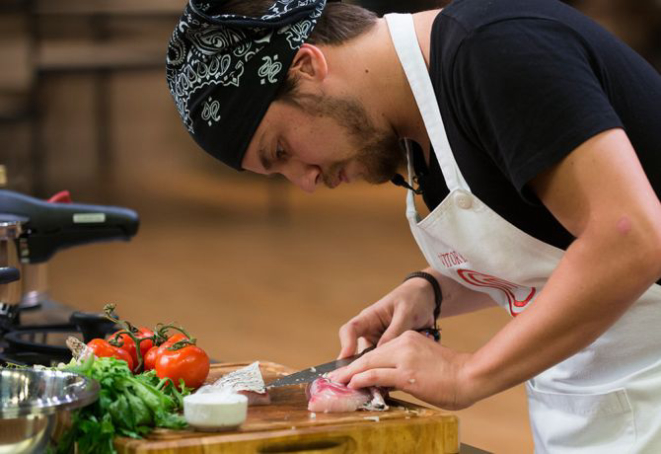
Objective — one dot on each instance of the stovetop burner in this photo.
(31, 232)
(44, 344)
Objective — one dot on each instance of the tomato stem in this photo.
(181, 344)
(129, 330)
(162, 330)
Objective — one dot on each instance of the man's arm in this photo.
(409, 306)
(601, 195)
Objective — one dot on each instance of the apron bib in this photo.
(604, 399)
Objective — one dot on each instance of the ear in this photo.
(309, 64)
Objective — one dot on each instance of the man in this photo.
(534, 136)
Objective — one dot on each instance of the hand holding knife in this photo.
(312, 373)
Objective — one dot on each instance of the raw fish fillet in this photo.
(330, 397)
(247, 381)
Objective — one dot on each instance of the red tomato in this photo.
(128, 343)
(150, 358)
(103, 349)
(154, 352)
(145, 344)
(190, 363)
(170, 341)
(173, 340)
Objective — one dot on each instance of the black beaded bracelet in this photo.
(438, 294)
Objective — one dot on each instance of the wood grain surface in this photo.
(287, 426)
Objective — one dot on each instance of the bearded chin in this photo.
(382, 159)
(380, 153)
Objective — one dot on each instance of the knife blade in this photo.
(312, 373)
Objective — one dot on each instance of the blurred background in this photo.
(253, 267)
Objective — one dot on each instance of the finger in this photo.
(384, 377)
(344, 374)
(363, 344)
(397, 327)
(337, 375)
(378, 358)
(349, 337)
(351, 331)
(348, 342)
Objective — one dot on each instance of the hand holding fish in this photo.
(410, 306)
(417, 365)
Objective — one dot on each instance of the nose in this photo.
(305, 176)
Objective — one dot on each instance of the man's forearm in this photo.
(582, 299)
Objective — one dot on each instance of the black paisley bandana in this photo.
(223, 70)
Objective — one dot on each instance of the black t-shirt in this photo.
(522, 83)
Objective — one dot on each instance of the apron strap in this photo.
(410, 56)
(411, 212)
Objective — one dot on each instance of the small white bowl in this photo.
(215, 411)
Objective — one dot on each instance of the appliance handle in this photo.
(51, 226)
(9, 274)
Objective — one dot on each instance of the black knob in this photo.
(9, 274)
(92, 325)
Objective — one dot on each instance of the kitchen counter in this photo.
(52, 312)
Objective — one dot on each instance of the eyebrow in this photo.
(264, 158)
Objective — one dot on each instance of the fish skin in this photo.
(247, 381)
(326, 396)
(256, 398)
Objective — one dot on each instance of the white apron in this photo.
(604, 399)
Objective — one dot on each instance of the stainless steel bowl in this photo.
(30, 402)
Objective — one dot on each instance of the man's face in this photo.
(318, 139)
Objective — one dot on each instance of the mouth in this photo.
(339, 179)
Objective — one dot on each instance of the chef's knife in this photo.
(312, 373)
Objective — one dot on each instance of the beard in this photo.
(378, 151)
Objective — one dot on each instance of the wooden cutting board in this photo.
(286, 426)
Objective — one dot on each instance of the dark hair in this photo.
(339, 23)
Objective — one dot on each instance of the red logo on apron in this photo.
(508, 288)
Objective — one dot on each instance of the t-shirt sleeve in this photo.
(528, 93)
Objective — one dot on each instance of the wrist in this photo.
(478, 382)
(429, 282)
(470, 390)
(425, 292)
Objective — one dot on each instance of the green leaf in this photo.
(128, 405)
(140, 410)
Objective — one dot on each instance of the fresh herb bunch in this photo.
(128, 405)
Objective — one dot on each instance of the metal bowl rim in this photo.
(89, 394)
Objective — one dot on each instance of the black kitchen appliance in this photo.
(33, 231)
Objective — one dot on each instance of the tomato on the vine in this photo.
(150, 358)
(103, 349)
(177, 337)
(128, 343)
(189, 363)
(145, 344)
